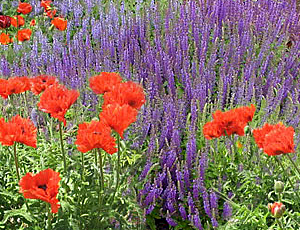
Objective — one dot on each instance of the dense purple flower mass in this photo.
(191, 59)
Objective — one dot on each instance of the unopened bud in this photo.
(278, 187)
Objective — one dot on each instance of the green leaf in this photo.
(16, 212)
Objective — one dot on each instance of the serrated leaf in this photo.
(16, 212)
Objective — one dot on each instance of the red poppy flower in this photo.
(260, 134)
(5, 21)
(118, 117)
(95, 134)
(24, 35)
(212, 130)
(16, 85)
(24, 8)
(126, 93)
(246, 113)
(18, 129)
(32, 23)
(229, 122)
(17, 23)
(51, 13)
(42, 186)
(46, 5)
(40, 83)
(275, 139)
(104, 82)
(56, 100)
(59, 23)
(3, 83)
(5, 39)
(277, 209)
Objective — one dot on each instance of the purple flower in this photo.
(182, 212)
(145, 171)
(171, 221)
(197, 221)
(227, 211)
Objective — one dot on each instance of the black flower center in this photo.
(44, 187)
(132, 103)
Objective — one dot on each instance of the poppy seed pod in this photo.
(278, 187)
(4, 21)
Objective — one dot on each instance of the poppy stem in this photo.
(16, 161)
(279, 223)
(295, 166)
(82, 162)
(62, 147)
(283, 169)
(101, 168)
(118, 164)
(48, 210)
(26, 111)
(118, 168)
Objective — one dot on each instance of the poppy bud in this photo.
(4, 21)
(278, 187)
(277, 209)
(24, 8)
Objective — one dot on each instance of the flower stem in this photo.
(62, 147)
(17, 169)
(26, 104)
(48, 210)
(283, 169)
(118, 163)
(101, 168)
(295, 166)
(279, 223)
(82, 162)
(16, 161)
(101, 181)
(118, 168)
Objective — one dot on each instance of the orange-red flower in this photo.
(275, 139)
(3, 83)
(17, 21)
(32, 22)
(56, 100)
(277, 209)
(118, 117)
(46, 4)
(51, 13)
(126, 93)
(24, 8)
(4, 21)
(42, 186)
(95, 134)
(105, 82)
(212, 130)
(40, 83)
(60, 23)
(5, 39)
(229, 122)
(24, 34)
(18, 129)
(15, 85)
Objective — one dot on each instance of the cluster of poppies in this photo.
(19, 21)
(228, 123)
(16, 85)
(122, 100)
(273, 139)
(56, 99)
